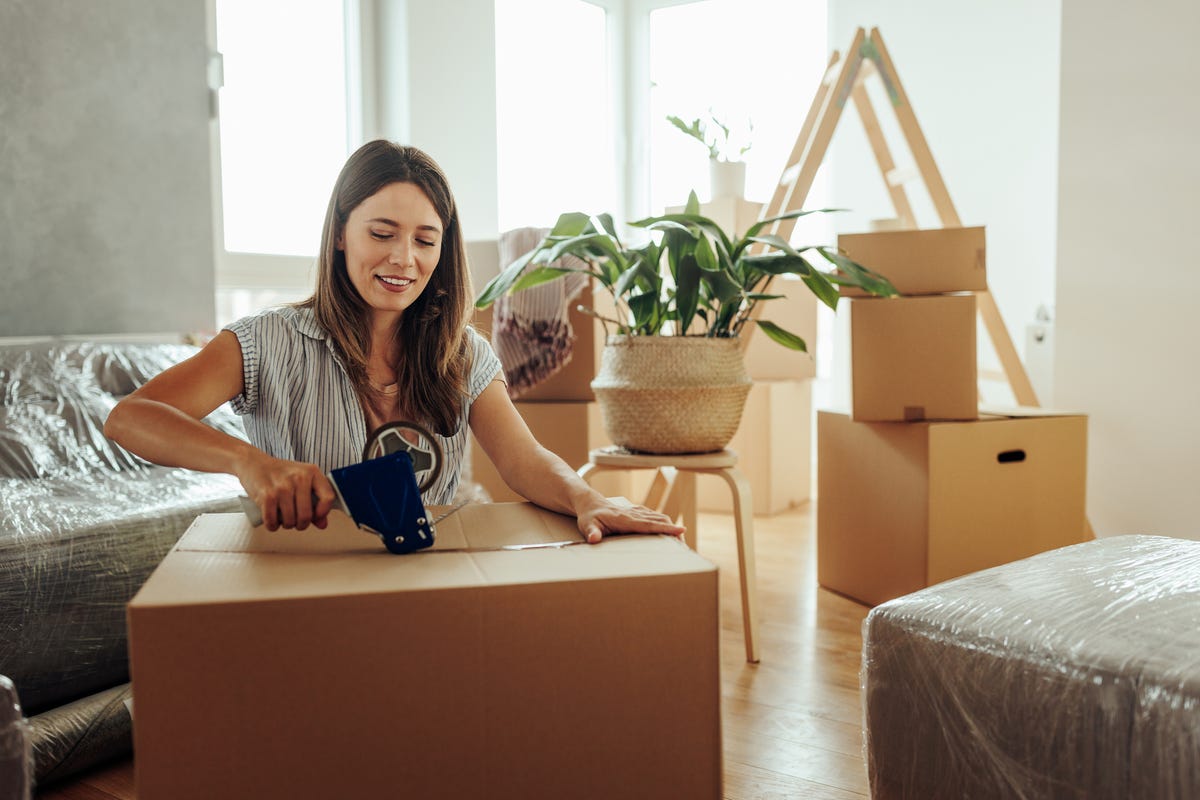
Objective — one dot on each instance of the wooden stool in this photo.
(674, 493)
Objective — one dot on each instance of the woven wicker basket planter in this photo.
(671, 394)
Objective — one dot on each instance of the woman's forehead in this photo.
(400, 203)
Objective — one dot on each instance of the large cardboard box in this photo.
(571, 431)
(316, 665)
(574, 380)
(901, 506)
(935, 261)
(774, 447)
(913, 358)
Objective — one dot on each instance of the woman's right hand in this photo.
(289, 494)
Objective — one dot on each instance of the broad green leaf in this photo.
(855, 274)
(778, 334)
(723, 287)
(687, 290)
(588, 246)
(606, 222)
(643, 307)
(693, 220)
(500, 284)
(705, 256)
(693, 203)
(571, 224)
(542, 275)
(821, 287)
(762, 223)
(663, 225)
(778, 242)
(779, 264)
(761, 296)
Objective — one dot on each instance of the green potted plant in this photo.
(671, 378)
(726, 149)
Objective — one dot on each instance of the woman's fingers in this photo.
(594, 524)
(290, 494)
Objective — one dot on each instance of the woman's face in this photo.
(392, 242)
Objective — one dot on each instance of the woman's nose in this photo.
(401, 254)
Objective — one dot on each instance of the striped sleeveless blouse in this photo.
(298, 403)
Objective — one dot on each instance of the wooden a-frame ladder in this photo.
(844, 80)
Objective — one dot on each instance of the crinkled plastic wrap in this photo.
(82, 521)
(79, 735)
(16, 774)
(1072, 674)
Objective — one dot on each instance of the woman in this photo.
(384, 337)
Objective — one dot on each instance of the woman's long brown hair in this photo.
(432, 369)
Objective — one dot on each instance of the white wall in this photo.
(982, 78)
(1128, 269)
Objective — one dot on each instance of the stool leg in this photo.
(744, 520)
(685, 487)
(669, 503)
(660, 489)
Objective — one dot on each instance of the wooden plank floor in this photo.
(792, 723)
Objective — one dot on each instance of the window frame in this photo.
(236, 270)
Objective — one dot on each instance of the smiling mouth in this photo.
(394, 283)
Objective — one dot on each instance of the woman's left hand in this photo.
(602, 517)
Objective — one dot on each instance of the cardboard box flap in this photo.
(617, 556)
(492, 525)
(221, 558)
(1022, 412)
(193, 577)
(231, 533)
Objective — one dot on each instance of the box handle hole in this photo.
(1011, 456)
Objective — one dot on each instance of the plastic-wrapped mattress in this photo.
(82, 522)
(1071, 674)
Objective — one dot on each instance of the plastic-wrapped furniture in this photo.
(1071, 674)
(82, 525)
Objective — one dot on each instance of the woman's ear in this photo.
(340, 244)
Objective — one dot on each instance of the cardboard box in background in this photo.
(904, 506)
(774, 447)
(935, 261)
(574, 380)
(316, 665)
(571, 430)
(913, 358)
(797, 312)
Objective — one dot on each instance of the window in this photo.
(554, 118)
(284, 133)
(756, 64)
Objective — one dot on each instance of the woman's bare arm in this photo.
(541, 476)
(161, 422)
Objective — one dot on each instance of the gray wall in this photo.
(105, 198)
(1128, 265)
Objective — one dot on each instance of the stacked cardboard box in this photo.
(915, 487)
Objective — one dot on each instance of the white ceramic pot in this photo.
(727, 178)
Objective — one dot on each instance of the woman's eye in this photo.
(380, 235)
(425, 243)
